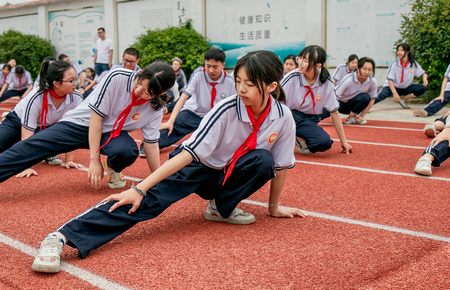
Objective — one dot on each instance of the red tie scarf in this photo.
(44, 109)
(20, 83)
(404, 65)
(122, 117)
(250, 143)
(313, 98)
(213, 93)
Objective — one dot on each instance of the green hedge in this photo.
(165, 44)
(27, 50)
(427, 30)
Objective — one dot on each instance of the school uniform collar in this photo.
(355, 79)
(304, 82)
(219, 81)
(276, 111)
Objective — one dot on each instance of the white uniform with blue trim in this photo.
(106, 103)
(29, 108)
(341, 71)
(350, 86)
(394, 74)
(227, 126)
(19, 84)
(199, 92)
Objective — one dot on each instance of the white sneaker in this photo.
(116, 179)
(48, 259)
(301, 146)
(237, 217)
(350, 121)
(423, 166)
(430, 131)
(53, 160)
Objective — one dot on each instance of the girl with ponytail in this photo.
(310, 91)
(41, 108)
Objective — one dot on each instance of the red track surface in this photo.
(180, 250)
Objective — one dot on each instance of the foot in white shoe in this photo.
(301, 146)
(237, 217)
(423, 166)
(48, 259)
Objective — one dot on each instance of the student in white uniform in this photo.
(435, 154)
(250, 135)
(206, 88)
(437, 104)
(66, 58)
(18, 83)
(289, 63)
(346, 68)
(130, 60)
(124, 101)
(357, 92)
(400, 78)
(6, 69)
(41, 108)
(87, 81)
(309, 91)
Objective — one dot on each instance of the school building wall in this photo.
(285, 26)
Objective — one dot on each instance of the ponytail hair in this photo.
(160, 78)
(52, 70)
(262, 68)
(316, 55)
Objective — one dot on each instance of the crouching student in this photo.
(309, 91)
(124, 101)
(435, 154)
(238, 147)
(41, 108)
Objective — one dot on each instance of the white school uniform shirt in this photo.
(19, 84)
(394, 74)
(340, 72)
(3, 78)
(350, 86)
(447, 75)
(108, 100)
(199, 92)
(294, 88)
(29, 108)
(103, 48)
(225, 127)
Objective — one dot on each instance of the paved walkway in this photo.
(389, 110)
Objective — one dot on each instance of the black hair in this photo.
(160, 78)
(290, 56)
(316, 55)
(351, 58)
(262, 68)
(131, 51)
(365, 59)
(52, 71)
(408, 52)
(215, 54)
(101, 28)
(20, 70)
(62, 56)
(91, 70)
(49, 58)
(7, 66)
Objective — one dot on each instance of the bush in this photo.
(427, 30)
(165, 44)
(27, 50)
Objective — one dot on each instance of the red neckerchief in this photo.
(249, 143)
(313, 98)
(213, 89)
(122, 117)
(20, 83)
(403, 69)
(44, 109)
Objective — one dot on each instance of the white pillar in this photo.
(110, 19)
(43, 29)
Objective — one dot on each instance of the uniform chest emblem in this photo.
(223, 95)
(272, 138)
(136, 116)
(318, 97)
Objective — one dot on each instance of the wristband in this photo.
(138, 190)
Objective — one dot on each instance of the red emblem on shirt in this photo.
(136, 116)
(272, 138)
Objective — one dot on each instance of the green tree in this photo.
(28, 50)
(165, 44)
(427, 30)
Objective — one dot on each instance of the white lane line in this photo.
(363, 223)
(373, 170)
(382, 144)
(75, 271)
(377, 127)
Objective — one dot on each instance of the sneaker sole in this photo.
(45, 268)
(251, 219)
(117, 185)
(426, 173)
(54, 163)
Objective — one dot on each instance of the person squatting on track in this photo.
(243, 142)
(124, 101)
